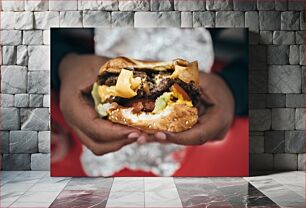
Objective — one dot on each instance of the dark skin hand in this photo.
(78, 72)
(214, 119)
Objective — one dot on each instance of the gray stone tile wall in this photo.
(276, 65)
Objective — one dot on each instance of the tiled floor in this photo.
(37, 189)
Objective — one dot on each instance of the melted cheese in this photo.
(126, 86)
(177, 71)
(180, 98)
(188, 103)
(164, 101)
(106, 91)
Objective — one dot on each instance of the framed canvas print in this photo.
(149, 102)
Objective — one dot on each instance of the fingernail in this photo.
(141, 140)
(161, 136)
(133, 135)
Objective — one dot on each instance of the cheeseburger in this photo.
(148, 95)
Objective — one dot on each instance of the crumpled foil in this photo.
(161, 44)
(154, 157)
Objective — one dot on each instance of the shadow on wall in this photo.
(275, 105)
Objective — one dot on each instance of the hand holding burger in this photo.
(214, 120)
(168, 99)
(76, 74)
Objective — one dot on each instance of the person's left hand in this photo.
(77, 73)
(214, 119)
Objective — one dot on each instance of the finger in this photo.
(134, 135)
(152, 138)
(82, 115)
(103, 148)
(160, 136)
(223, 132)
(147, 137)
(208, 127)
(142, 139)
(201, 108)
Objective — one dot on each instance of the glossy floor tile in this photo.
(203, 194)
(161, 192)
(126, 199)
(278, 192)
(294, 181)
(80, 198)
(84, 192)
(37, 189)
(128, 184)
(16, 183)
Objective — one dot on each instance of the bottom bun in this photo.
(175, 118)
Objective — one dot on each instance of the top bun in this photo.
(182, 69)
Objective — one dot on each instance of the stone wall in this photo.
(276, 68)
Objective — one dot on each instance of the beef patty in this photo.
(153, 89)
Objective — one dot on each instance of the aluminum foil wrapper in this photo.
(161, 159)
(159, 44)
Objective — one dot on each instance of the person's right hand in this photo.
(77, 73)
(214, 120)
